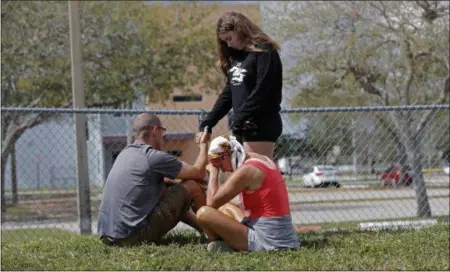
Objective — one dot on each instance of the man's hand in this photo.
(171, 181)
(200, 135)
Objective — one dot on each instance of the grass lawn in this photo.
(50, 249)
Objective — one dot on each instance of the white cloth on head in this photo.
(237, 150)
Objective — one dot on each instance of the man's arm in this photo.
(245, 176)
(197, 170)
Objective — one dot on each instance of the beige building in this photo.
(179, 138)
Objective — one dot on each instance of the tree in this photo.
(325, 132)
(387, 52)
(288, 146)
(129, 49)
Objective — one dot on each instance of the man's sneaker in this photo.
(219, 246)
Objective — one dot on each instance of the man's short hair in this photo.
(143, 123)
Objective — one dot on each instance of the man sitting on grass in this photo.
(138, 205)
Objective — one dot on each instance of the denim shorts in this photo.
(271, 233)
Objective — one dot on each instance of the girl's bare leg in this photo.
(216, 224)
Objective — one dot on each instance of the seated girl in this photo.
(258, 182)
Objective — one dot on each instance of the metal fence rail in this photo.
(340, 164)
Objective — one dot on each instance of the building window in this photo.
(187, 98)
(176, 153)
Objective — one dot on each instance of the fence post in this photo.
(84, 201)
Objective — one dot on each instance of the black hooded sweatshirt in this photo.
(253, 89)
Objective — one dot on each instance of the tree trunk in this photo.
(6, 151)
(4, 158)
(3, 166)
(398, 139)
(415, 160)
(414, 155)
(15, 198)
(402, 162)
(354, 156)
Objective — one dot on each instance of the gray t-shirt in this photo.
(133, 188)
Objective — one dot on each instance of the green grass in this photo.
(47, 209)
(93, 189)
(353, 225)
(425, 249)
(21, 211)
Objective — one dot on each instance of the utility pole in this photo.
(84, 201)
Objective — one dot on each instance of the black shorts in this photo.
(268, 129)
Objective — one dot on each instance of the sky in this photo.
(210, 2)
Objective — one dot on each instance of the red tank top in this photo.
(271, 198)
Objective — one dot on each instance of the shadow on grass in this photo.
(183, 238)
(313, 240)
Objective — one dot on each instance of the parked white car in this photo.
(446, 169)
(289, 165)
(321, 176)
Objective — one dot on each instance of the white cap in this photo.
(237, 151)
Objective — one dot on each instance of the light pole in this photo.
(84, 202)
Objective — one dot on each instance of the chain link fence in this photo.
(340, 164)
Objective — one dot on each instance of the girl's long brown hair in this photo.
(248, 32)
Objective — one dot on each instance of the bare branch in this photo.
(368, 87)
(391, 127)
(431, 13)
(33, 103)
(383, 12)
(385, 93)
(14, 131)
(362, 78)
(421, 54)
(12, 134)
(377, 46)
(423, 4)
(447, 63)
(6, 93)
(445, 92)
(410, 69)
